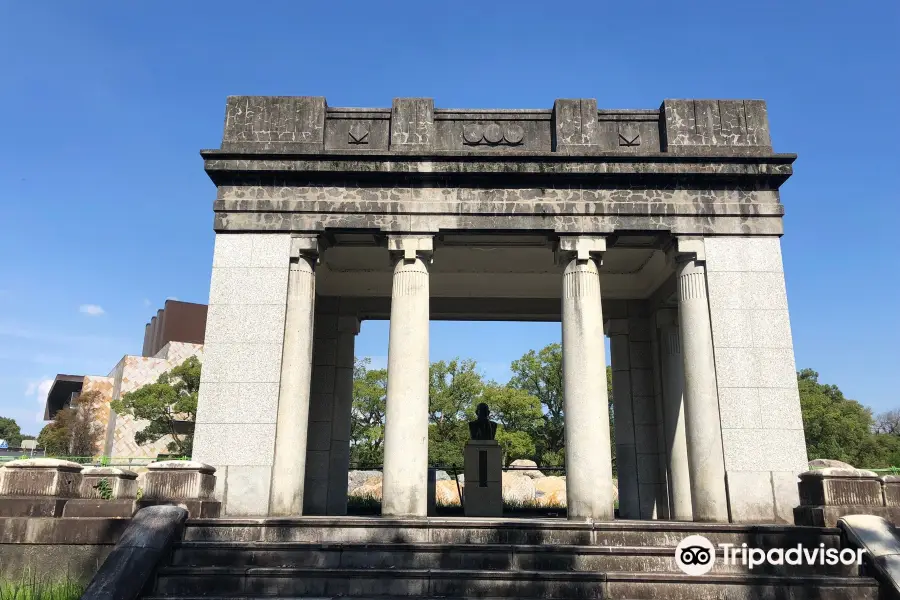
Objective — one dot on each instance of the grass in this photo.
(28, 587)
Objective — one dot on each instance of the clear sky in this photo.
(106, 210)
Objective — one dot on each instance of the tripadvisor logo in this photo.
(696, 555)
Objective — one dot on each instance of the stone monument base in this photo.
(483, 492)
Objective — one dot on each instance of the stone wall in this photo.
(131, 373)
(238, 403)
(759, 404)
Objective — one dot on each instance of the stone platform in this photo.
(326, 557)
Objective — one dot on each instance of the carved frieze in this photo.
(493, 134)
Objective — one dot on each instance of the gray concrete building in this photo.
(659, 228)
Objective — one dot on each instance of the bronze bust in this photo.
(482, 428)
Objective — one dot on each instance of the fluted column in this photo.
(289, 466)
(701, 400)
(673, 416)
(589, 491)
(405, 483)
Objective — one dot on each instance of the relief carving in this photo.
(359, 134)
(629, 137)
(476, 134)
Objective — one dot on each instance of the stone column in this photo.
(673, 416)
(626, 457)
(289, 467)
(589, 491)
(339, 458)
(701, 400)
(405, 484)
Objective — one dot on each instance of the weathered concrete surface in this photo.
(56, 548)
(148, 538)
(41, 477)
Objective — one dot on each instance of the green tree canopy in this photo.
(367, 423)
(839, 428)
(10, 431)
(171, 399)
(455, 388)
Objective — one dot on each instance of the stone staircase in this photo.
(327, 557)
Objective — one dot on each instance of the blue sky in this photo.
(106, 210)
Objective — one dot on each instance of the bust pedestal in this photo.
(483, 491)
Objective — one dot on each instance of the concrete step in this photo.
(182, 582)
(461, 556)
(501, 531)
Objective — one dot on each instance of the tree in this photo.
(454, 390)
(10, 431)
(367, 422)
(888, 423)
(835, 427)
(75, 430)
(172, 399)
(539, 374)
(518, 416)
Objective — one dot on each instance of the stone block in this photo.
(890, 486)
(483, 492)
(412, 124)
(787, 497)
(247, 491)
(274, 123)
(245, 323)
(743, 254)
(248, 285)
(736, 367)
(244, 403)
(235, 444)
(750, 496)
(270, 250)
(233, 250)
(179, 480)
(840, 487)
(242, 362)
(41, 477)
(775, 367)
(122, 482)
(739, 408)
(771, 329)
(575, 125)
(32, 506)
(780, 408)
(732, 328)
(828, 516)
(711, 123)
(96, 509)
(764, 450)
(735, 290)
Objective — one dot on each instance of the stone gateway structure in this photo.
(659, 228)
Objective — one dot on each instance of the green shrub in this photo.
(104, 488)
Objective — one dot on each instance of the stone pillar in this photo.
(289, 468)
(339, 457)
(673, 416)
(405, 484)
(626, 458)
(701, 401)
(589, 491)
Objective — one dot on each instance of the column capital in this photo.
(307, 245)
(666, 317)
(410, 247)
(580, 247)
(685, 249)
(613, 327)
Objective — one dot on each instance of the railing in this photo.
(100, 461)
